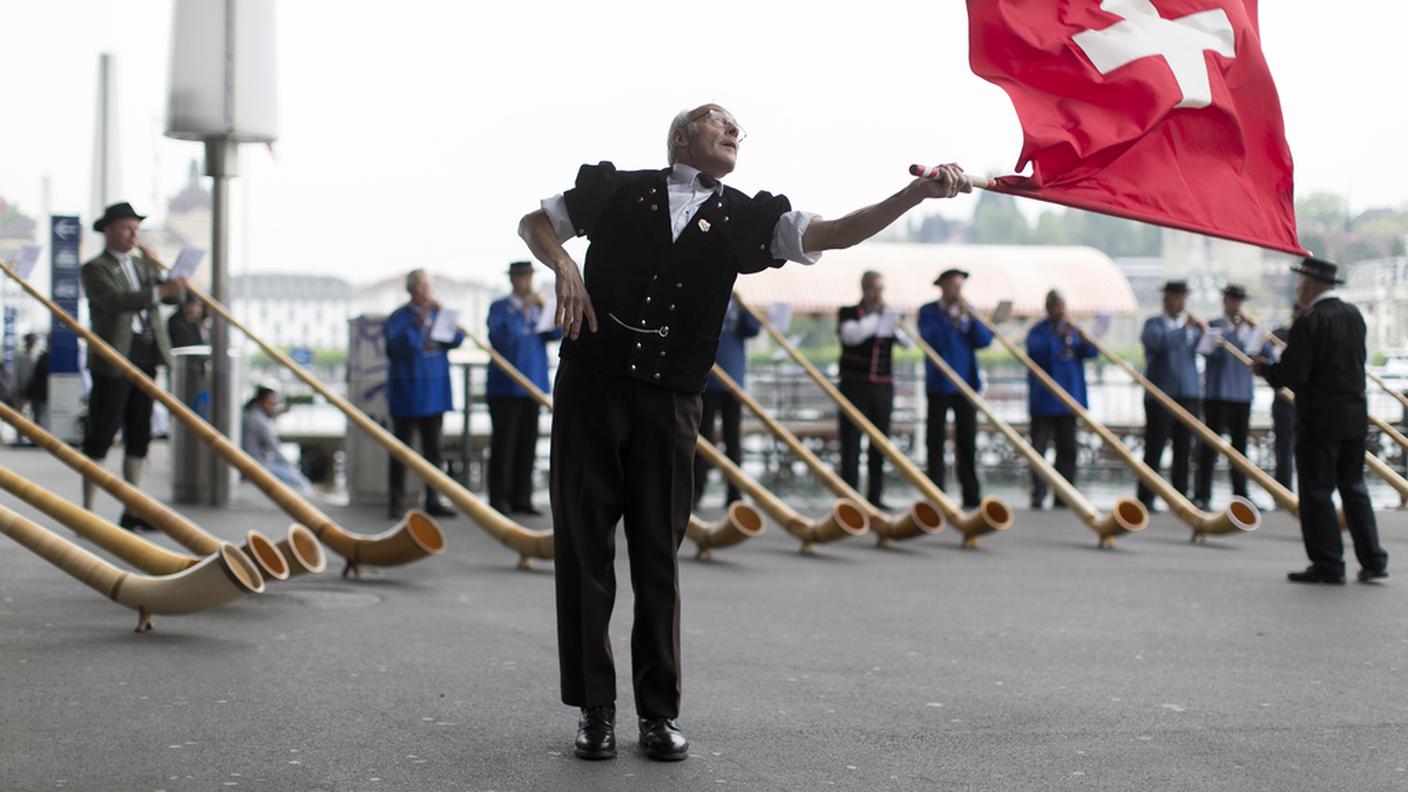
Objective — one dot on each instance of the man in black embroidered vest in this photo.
(1324, 365)
(666, 247)
(867, 333)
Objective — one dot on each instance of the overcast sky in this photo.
(416, 133)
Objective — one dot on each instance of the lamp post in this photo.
(222, 93)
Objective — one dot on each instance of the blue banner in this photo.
(65, 270)
(8, 344)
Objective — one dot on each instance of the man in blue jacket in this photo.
(519, 332)
(1227, 388)
(1061, 350)
(739, 326)
(1170, 353)
(417, 385)
(956, 336)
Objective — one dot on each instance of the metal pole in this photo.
(221, 164)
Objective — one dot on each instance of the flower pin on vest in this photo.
(703, 225)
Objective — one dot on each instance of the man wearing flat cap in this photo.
(1323, 364)
(957, 337)
(1227, 388)
(519, 331)
(124, 291)
(1170, 353)
(641, 334)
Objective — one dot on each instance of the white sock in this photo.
(132, 470)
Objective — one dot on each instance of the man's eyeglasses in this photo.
(724, 121)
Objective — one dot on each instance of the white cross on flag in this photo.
(1156, 110)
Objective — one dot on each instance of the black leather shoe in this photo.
(1370, 575)
(1315, 575)
(596, 733)
(662, 740)
(437, 509)
(528, 510)
(133, 523)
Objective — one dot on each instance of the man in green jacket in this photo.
(123, 291)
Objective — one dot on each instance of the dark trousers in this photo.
(1234, 420)
(1060, 429)
(875, 400)
(1159, 428)
(115, 403)
(512, 451)
(965, 443)
(722, 404)
(1322, 467)
(1283, 422)
(620, 449)
(406, 428)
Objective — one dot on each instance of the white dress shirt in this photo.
(878, 324)
(124, 260)
(685, 195)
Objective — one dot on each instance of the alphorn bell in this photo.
(1278, 492)
(736, 526)
(1128, 514)
(298, 552)
(923, 517)
(408, 541)
(213, 581)
(991, 515)
(1240, 515)
(1371, 460)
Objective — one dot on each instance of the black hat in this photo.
(118, 211)
(1234, 291)
(948, 273)
(520, 268)
(1175, 287)
(1318, 269)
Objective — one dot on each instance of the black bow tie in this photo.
(709, 182)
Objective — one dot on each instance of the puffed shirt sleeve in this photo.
(576, 211)
(787, 237)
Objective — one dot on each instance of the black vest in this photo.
(660, 304)
(868, 361)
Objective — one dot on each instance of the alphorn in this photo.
(527, 543)
(992, 513)
(1128, 514)
(1375, 378)
(739, 524)
(923, 516)
(1278, 492)
(410, 540)
(298, 552)
(1240, 515)
(1371, 460)
(214, 581)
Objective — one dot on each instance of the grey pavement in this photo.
(1035, 663)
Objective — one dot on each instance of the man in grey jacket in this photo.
(1170, 353)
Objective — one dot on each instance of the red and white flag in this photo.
(1162, 111)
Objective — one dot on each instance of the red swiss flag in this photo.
(1161, 111)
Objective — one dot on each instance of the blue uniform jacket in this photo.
(1224, 377)
(511, 334)
(955, 344)
(1061, 356)
(739, 325)
(1170, 355)
(417, 379)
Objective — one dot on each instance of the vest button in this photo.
(725, 218)
(640, 199)
(652, 191)
(672, 306)
(662, 353)
(647, 300)
(657, 375)
(637, 345)
(633, 367)
(679, 284)
(642, 323)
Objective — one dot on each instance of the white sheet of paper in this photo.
(443, 329)
(187, 262)
(888, 319)
(29, 256)
(1208, 343)
(547, 320)
(1002, 312)
(1254, 338)
(1102, 324)
(780, 316)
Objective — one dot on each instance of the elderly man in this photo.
(666, 247)
(1227, 388)
(1170, 351)
(1061, 349)
(868, 338)
(957, 337)
(417, 386)
(516, 331)
(123, 295)
(1323, 363)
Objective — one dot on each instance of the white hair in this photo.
(681, 123)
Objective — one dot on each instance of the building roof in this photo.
(1089, 279)
(281, 286)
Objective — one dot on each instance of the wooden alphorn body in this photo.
(407, 542)
(1128, 514)
(991, 515)
(1240, 515)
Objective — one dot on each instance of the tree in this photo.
(998, 221)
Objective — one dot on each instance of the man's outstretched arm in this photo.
(573, 302)
(865, 223)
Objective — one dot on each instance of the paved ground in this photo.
(1036, 663)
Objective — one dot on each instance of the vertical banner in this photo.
(65, 377)
(8, 342)
(367, 368)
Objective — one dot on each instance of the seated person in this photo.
(259, 440)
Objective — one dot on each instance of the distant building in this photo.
(1209, 263)
(1379, 287)
(294, 310)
